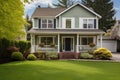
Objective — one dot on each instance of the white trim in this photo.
(63, 44)
(77, 46)
(64, 22)
(94, 39)
(47, 23)
(53, 37)
(81, 22)
(58, 43)
(101, 41)
(82, 6)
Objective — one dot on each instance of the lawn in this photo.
(60, 70)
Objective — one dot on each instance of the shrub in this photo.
(24, 46)
(18, 56)
(102, 53)
(92, 44)
(52, 55)
(86, 56)
(31, 57)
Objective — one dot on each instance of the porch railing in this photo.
(47, 48)
(85, 48)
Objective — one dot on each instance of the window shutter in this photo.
(54, 23)
(81, 23)
(95, 24)
(39, 23)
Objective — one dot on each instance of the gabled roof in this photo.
(55, 12)
(81, 6)
(45, 12)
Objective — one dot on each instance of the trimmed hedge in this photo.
(23, 46)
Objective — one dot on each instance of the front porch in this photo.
(64, 42)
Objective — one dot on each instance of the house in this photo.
(65, 29)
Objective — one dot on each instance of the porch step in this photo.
(68, 55)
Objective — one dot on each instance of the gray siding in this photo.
(77, 12)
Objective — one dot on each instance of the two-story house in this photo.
(64, 29)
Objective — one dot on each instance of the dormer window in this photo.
(47, 23)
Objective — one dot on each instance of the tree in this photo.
(64, 3)
(105, 9)
(11, 18)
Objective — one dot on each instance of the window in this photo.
(68, 23)
(44, 23)
(89, 23)
(47, 23)
(86, 40)
(47, 40)
(35, 23)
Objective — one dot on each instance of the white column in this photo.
(101, 40)
(77, 46)
(32, 43)
(58, 43)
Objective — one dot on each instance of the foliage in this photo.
(24, 46)
(40, 55)
(102, 53)
(52, 55)
(92, 44)
(86, 56)
(11, 19)
(41, 44)
(9, 46)
(31, 57)
(18, 56)
(64, 3)
(105, 9)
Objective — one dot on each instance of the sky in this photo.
(29, 8)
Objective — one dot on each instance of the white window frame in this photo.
(35, 21)
(46, 36)
(81, 23)
(63, 44)
(47, 23)
(94, 38)
(64, 22)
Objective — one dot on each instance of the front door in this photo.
(68, 44)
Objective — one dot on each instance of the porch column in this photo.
(58, 43)
(32, 43)
(101, 40)
(77, 46)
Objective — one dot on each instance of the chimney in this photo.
(39, 6)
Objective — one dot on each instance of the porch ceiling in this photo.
(66, 31)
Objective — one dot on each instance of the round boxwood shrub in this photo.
(31, 57)
(18, 56)
(102, 53)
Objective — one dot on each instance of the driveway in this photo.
(116, 56)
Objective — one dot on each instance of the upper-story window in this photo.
(87, 23)
(68, 23)
(35, 23)
(47, 23)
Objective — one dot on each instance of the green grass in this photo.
(60, 70)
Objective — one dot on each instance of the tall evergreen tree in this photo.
(105, 9)
(64, 3)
